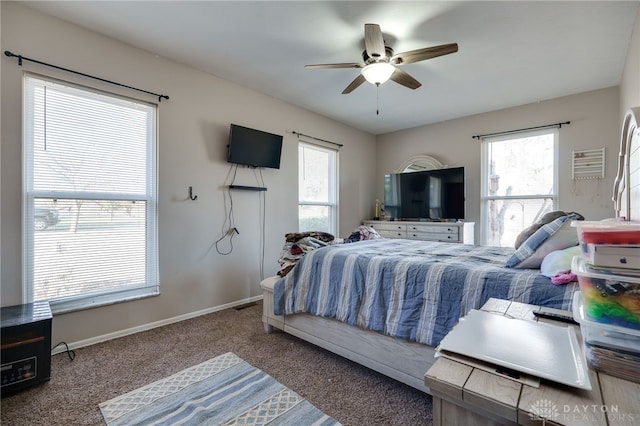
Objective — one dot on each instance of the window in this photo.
(317, 188)
(89, 216)
(519, 183)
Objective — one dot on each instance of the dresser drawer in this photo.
(434, 236)
(389, 229)
(434, 229)
(388, 226)
(385, 233)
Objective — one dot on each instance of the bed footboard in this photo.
(399, 359)
(269, 319)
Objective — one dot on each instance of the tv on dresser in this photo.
(437, 194)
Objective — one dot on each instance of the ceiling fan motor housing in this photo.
(369, 60)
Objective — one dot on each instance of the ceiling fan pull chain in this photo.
(377, 98)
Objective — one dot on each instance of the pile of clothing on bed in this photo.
(297, 244)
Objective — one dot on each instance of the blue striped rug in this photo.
(222, 391)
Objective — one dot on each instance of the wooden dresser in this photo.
(452, 232)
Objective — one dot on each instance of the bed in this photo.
(387, 303)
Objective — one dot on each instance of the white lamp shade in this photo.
(378, 72)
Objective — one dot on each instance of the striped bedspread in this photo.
(414, 290)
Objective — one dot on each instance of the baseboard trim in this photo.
(152, 325)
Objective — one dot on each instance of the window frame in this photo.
(333, 202)
(485, 198)
(90, 299)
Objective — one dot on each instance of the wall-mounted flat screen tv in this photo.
(427, 195)
(254, 148)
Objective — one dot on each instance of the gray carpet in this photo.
(351, 394)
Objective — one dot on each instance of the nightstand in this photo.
(464, 394)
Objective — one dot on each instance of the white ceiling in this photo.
(510, 53)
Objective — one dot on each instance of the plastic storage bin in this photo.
(607, 232)
(608, 298)
(608, 348)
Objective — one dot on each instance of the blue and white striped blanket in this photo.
(414, 290)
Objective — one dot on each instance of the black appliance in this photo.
(26, 346)
(425, 195)
(254, 148)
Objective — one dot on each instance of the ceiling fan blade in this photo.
(373, 41)
(329, 66)
(423, 54)
(354, 84)
(405, 79)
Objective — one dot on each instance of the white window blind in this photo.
(317, 188)
(89, 217)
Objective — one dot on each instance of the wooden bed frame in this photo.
(407, 361)
(399, 359)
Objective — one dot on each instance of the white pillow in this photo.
(559, 261)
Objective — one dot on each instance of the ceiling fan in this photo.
(381, 64)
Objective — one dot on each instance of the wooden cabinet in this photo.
(452, 232)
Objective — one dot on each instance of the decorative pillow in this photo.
(559, 261)
(546, 218)
(556, 235)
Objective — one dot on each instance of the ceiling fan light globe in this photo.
(378, 72)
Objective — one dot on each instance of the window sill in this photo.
(68, 306)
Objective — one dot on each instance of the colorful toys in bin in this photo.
(622, 310)
(609, 299)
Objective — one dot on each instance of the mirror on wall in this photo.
(419, 163)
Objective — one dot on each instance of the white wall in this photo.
(193, 132)
(630, 86)
(595, 123)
